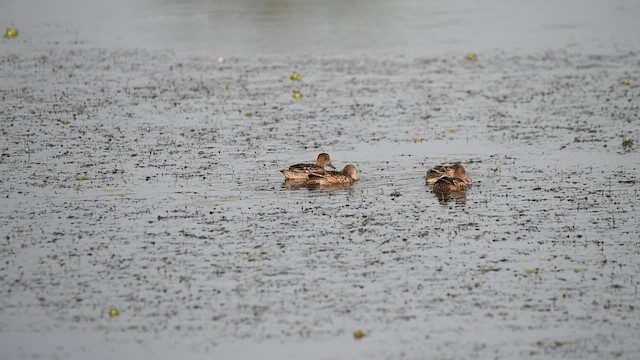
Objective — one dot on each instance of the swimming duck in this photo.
(302, 171)
(449, 184)
(347, 176)
(456, 171)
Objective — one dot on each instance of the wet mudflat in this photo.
(148, 182)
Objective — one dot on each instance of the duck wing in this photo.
(438, 172)
(305, 168)
(319, 174)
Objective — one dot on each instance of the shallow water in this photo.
(148, 182)
(145, 180)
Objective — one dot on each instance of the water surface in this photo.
(405, 27)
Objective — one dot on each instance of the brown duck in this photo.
(302, 171)
(348, 175)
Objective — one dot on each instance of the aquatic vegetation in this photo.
(11, 33)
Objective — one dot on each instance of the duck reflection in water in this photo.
(459, 197)
(297, 185)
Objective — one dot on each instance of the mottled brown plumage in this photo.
(348, 175)
(449, 184)
(455, 171)
(302, 171)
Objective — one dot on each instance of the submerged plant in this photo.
(627, 144)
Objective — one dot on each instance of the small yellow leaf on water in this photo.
(296, 77)
(626, 82)
(297, 95)
(65, 121)
(417, 139)
(358, 334)
(531, 271)
(11, 33)
(82, 178)
(114, 312)
(472, 57)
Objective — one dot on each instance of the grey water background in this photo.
(404, 27)
(141, 174)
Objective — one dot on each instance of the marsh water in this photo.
(144, 215)
(394, 28)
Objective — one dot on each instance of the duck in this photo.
(347, 176)
(447, 184)
(302, 171)
(456, 171)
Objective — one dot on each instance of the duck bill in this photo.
(331, 165)
(467, 180)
